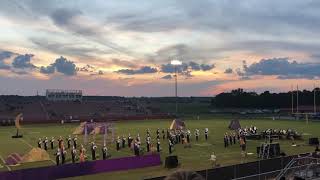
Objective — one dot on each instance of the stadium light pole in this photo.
(176, 63)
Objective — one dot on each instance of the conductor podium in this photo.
(171, 162)
(268, 150)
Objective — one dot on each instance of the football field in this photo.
(194, 158)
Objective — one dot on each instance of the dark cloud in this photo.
(186, 68)
(87, 68)
(167, 77)
(228, 71)
(61, 65)
(207, 67)
(5, 55)
(47, 70)
(142, 70)
(23, 61)
(66, 18)
(282, 67)
(169, 68)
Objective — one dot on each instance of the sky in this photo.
(124, 48)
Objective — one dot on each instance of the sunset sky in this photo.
(124, 47)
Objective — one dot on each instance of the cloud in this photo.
(186, 68)
(183, 52)
(167, 77)
(282, 67)
(61, 65)
(23, 61)
(124, 63)
(47, 70)
(87, 68)
(142, 70)
(228, 71)
(5, 55)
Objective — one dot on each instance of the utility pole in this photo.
(297, 99)
(314, 99)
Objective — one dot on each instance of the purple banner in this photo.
(86, 168)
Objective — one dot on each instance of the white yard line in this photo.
(25, 142)
(4, 163)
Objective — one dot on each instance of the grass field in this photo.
(194, 158)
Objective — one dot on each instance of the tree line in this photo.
(239, 98)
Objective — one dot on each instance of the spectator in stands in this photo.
(184, 175)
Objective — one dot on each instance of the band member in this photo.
(123, 142)
(93, 150)
(104, 152)
(52, 142)
(196, 133)
(69, 141)
(60, 140)
(206, 131)
(234, 138)
(58, 156)
(163, 134)
(170, 147)
(63, 155)
(45, 143)
(73, 154)
(75, 139)
(230, 139)
(148, 144)
(138, 138)
(148, 132)
(129, 140)
(188, 136)
(118, 144)
(168, 134)
(225, 139)
(39, 143)
(82, 153)
(158, 145)
(136, 148)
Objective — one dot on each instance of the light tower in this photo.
(176, 63)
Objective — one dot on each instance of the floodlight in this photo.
(176, 62)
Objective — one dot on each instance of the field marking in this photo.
(4, 163)
(25, 142)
